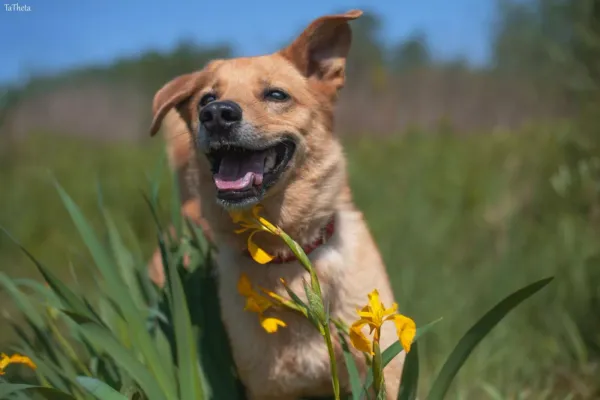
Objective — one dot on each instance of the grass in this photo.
(460, 222)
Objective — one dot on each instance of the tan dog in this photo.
(260, 130)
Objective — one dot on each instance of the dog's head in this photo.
(265, 122)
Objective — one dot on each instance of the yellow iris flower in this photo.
(250, 220)
(374, 314)
(5, 361)
(257, 303)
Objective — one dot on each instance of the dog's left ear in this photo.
(321, 49)
(171, 95)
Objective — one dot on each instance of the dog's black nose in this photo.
(220, 116)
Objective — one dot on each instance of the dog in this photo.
(260, 130)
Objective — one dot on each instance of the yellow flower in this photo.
(374, 314)
(5, 361)
(271, 324)
(250, 220)
(257, 303)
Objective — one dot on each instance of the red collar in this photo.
(326, 234)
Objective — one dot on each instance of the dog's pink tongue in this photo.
(240, 171)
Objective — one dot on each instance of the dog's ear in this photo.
(172, 94)
(321, 49)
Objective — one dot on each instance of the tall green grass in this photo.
(140, 342)
(460, 222)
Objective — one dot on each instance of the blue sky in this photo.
(59, 34)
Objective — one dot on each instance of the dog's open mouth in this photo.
(242, 175)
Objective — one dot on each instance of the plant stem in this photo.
(334, 375)
(316, 286)
(377, 370)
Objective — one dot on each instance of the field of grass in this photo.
(461, 222)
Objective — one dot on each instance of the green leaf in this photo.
(45, 292)
(190, 385)
(176, 217)
(156, 177)
(69, 298)
(315, 306)
(215, 352)
(294, 296)
(21, 300)
(99, 389)
(409, 383)
(119, 293)
(124, 261)
(474, 335)
(105, 340)
(45, 392)
(47, 369)
(355, 381)
(154, 213)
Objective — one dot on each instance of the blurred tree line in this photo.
(554, 45)
(549, 48)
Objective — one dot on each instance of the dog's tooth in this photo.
(270, 161)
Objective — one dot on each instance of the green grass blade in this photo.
(120, 295)
(215, 352)
(45, 392)
(124, 260)
(474, 335)
(21, 300)
(99, 389)
(44, 292)
(355, 382)
(47, 369)
(102, 338)
(67, 296)
(409, 383)
(153, 211)
(176, 217)
(155, 179)
(190, 385)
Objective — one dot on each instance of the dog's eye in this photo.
(276, 95)
(207, 98)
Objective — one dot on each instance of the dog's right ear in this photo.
(172, 94)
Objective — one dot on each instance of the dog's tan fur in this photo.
(292, 362)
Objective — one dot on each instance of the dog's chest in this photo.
(295, 357)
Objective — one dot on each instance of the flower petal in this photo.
(365, 314)
(252, 305)
(274, 295)
(244, 286)
(237, 216)
(406, 330)
(375, 304)
(388, 313)
(359, 340)
(258, 254)
(271, 324)
(258, 304)
(256, 210)
(19, 359)
(5, 361)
